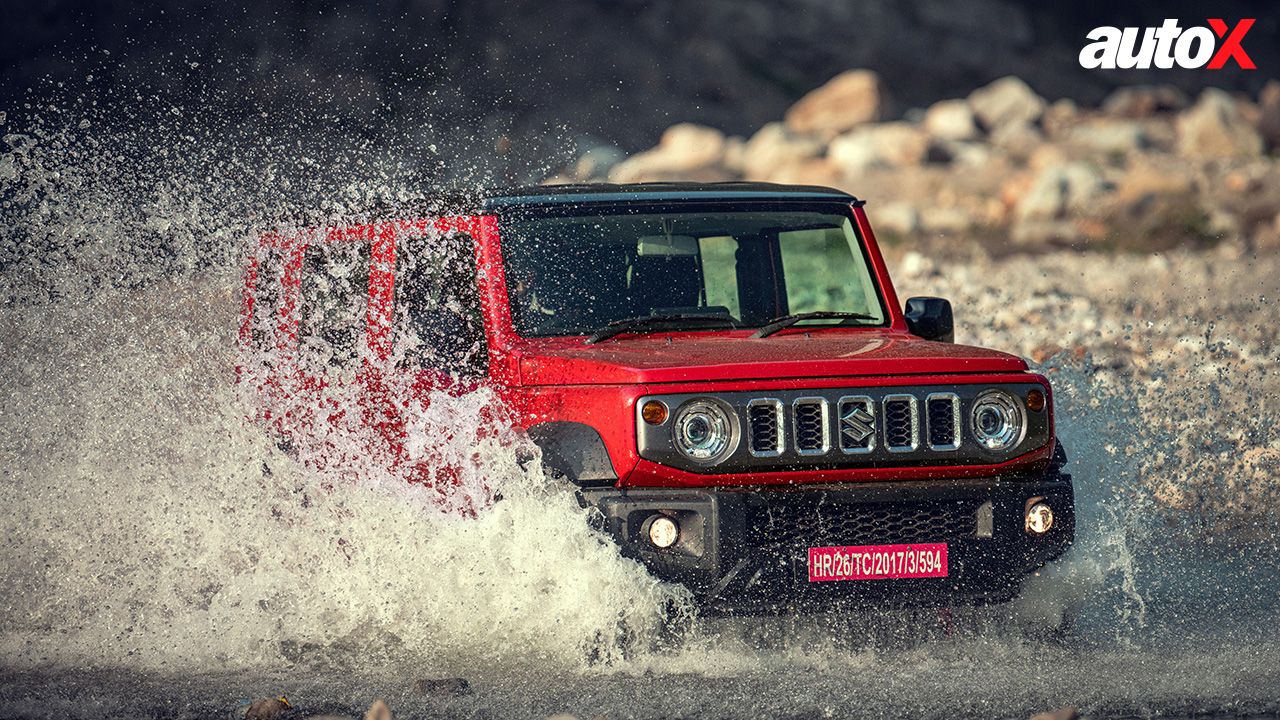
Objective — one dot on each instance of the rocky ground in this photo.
(1162, 362)
(1149, 169)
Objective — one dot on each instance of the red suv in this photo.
(722, 371)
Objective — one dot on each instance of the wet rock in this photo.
(378, 711)
(684, 149)
(1143, 101)
(267, 708)
(774, 147)
(951, 120)
(1007, 101)
(845, 102)
(1215, 128)
(442, 687)
(894, 144)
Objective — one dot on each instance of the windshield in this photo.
(574, 275)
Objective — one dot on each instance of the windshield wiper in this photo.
(618, 327)
(786, 321)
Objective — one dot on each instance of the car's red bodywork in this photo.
(560, 378)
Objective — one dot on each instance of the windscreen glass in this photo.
(575, 275)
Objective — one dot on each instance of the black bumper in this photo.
(748, 547)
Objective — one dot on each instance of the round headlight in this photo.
(998, 421)
(704, 431)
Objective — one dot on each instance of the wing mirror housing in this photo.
(930, 318)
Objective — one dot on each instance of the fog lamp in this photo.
(654, 412)
(1039, 519)
(663, 531)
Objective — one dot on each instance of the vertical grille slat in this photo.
(942, 419)
(765, 436)
(857, 418)
(812, 431)
(901, 423)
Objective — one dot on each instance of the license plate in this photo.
(877, 562)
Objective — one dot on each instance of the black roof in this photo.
(658, 192)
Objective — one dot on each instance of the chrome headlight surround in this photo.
(997, 420)
(705, 430)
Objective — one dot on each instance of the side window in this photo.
(333, 304)
(720, 272)
(266, 299)
(438, 319)
(830, 262)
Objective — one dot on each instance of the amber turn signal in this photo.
(1035, 401)
(654, 412)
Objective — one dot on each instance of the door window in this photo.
(333, 304)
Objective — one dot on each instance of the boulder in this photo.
(1019, 139)
(1007, 101)
(951, 120)
(1269, 113)
(898, 218)
(1215, 128)
(1108, 136)
(774, 147)
(1143, 101)
(814, 171)
(1147, 176)
(950, 219)
(894, 144)
(1060, 117)
(1061, 189)
(683, 149)
(595, 160)
(845, 102)
(1266, 238)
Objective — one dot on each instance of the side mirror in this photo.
(930, 318)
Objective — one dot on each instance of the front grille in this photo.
(778, 524)
(764, 433)
(834, 428)
(811, 426)
(942, 418)
(901, 423)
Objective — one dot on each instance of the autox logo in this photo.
(1168, 45)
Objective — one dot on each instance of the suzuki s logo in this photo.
(1168, 45)
(857, 423)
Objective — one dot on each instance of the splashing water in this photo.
(151, 526)
(152, 530)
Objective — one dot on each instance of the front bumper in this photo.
(748, 547)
